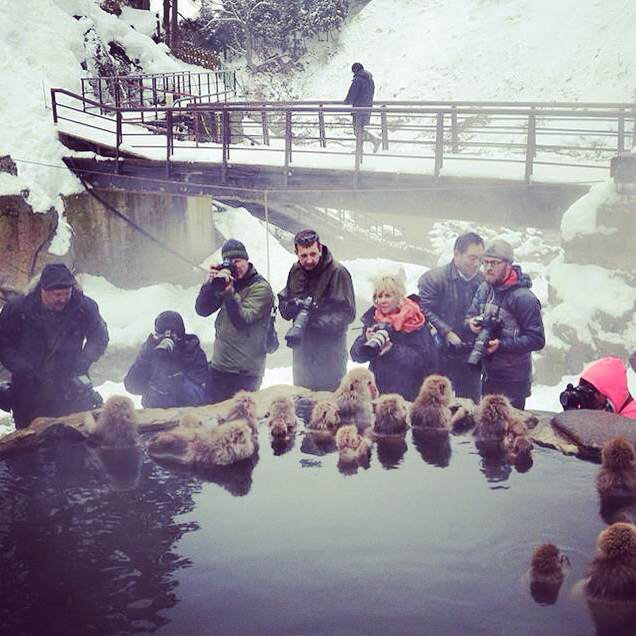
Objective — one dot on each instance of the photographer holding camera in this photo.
(395, 340)
(510, 316)
(48, 340)
(602, 387)
(319, 299)
(245, 300)
(446, 293)
(171, 368)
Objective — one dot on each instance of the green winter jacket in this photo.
(241, 324)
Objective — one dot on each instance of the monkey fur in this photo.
(430, 408)
(352, 447)
(391, 415)
(355, 395)
(617, 475)
(242, 407)
(116, 425)
(281, 418)
(325, 417)
(494, 412)
(547, 571)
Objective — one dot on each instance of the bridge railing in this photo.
(405, 134)
(159, 89)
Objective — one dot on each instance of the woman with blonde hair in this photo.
(395, 340)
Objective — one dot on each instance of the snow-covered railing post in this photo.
(54, 105)
(531, 144)
(321, 127)
(225, 136)
(264, 125)
(384, 129)
(288, 143)
(169, 140)
(454, 130)
(439, 145)
(83, 96)
(118, 138)
(620, 145)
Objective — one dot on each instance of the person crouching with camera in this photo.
(506, 318)
(245, 300)
(395, 340)
(171, 368)
(48, 341)
(602, 387)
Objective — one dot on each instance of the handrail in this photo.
(524, 131)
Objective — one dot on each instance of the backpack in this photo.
(271, 339)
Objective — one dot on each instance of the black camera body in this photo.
(219, 282)
(582, 396)
(6, 396)
(491, 327)
(382, 332)
(79, 388)
(166, 341)
(295, 333)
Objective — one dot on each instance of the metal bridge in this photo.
(192, 127)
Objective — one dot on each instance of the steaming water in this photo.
(429, 539)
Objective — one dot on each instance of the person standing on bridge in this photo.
(445, 296)
(509, 314)
(245, 300)
(319, 294)
(361, 94)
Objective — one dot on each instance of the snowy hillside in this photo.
(482, 50)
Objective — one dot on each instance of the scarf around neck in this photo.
(407, 318)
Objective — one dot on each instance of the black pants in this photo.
(223, 385)
(466, 378)
(516, 392)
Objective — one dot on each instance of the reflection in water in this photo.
(122, 466)
(391, 449)
(545, 593)
(318, 443)
(282, 445)
(613, 618)
(494, 463)
(618, 508)
(83, 551)
(433, 446)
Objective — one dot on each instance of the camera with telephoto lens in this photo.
(220, 281)
(295, 333)
(6, 397)
(381, 334)
(490, 329)
(80, 389)
(582, 396)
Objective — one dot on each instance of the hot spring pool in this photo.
(434, 542)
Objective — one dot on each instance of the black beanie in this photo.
(56, 276)
(170, 320)
(234, 249)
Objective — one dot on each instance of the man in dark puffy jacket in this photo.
(360, 94)
(171, 368)
(506, 295)
(48, 341)
(446, 294)
(321, 357)
(245, 301)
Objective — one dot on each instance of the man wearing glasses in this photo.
(319, 292)
(505, 299)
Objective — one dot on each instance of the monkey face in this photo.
(618, 541)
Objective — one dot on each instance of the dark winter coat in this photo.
(522, 331)
(320, 359)
(361, 94)
(404, 366)
(169, 379)
(445, 298)
(241, 324)
(43, 350)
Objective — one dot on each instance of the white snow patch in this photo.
(580, 218)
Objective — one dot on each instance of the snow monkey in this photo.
(494, 413)
(116, 424)
(281, 418)
(431, 406)
(547, 571)
(391, 415)
(355, 394)
(243, 406)
(325, 417)
(352, 447)
(617, 475)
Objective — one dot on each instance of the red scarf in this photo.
(511, 279)
(407, 318)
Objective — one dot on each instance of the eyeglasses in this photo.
(306, 237)
(491, 262)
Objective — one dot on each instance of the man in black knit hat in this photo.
(244, 300)
(48, 340)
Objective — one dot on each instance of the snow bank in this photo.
(580, 218)
(483, 50)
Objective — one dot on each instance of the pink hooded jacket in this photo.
(608, 376)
